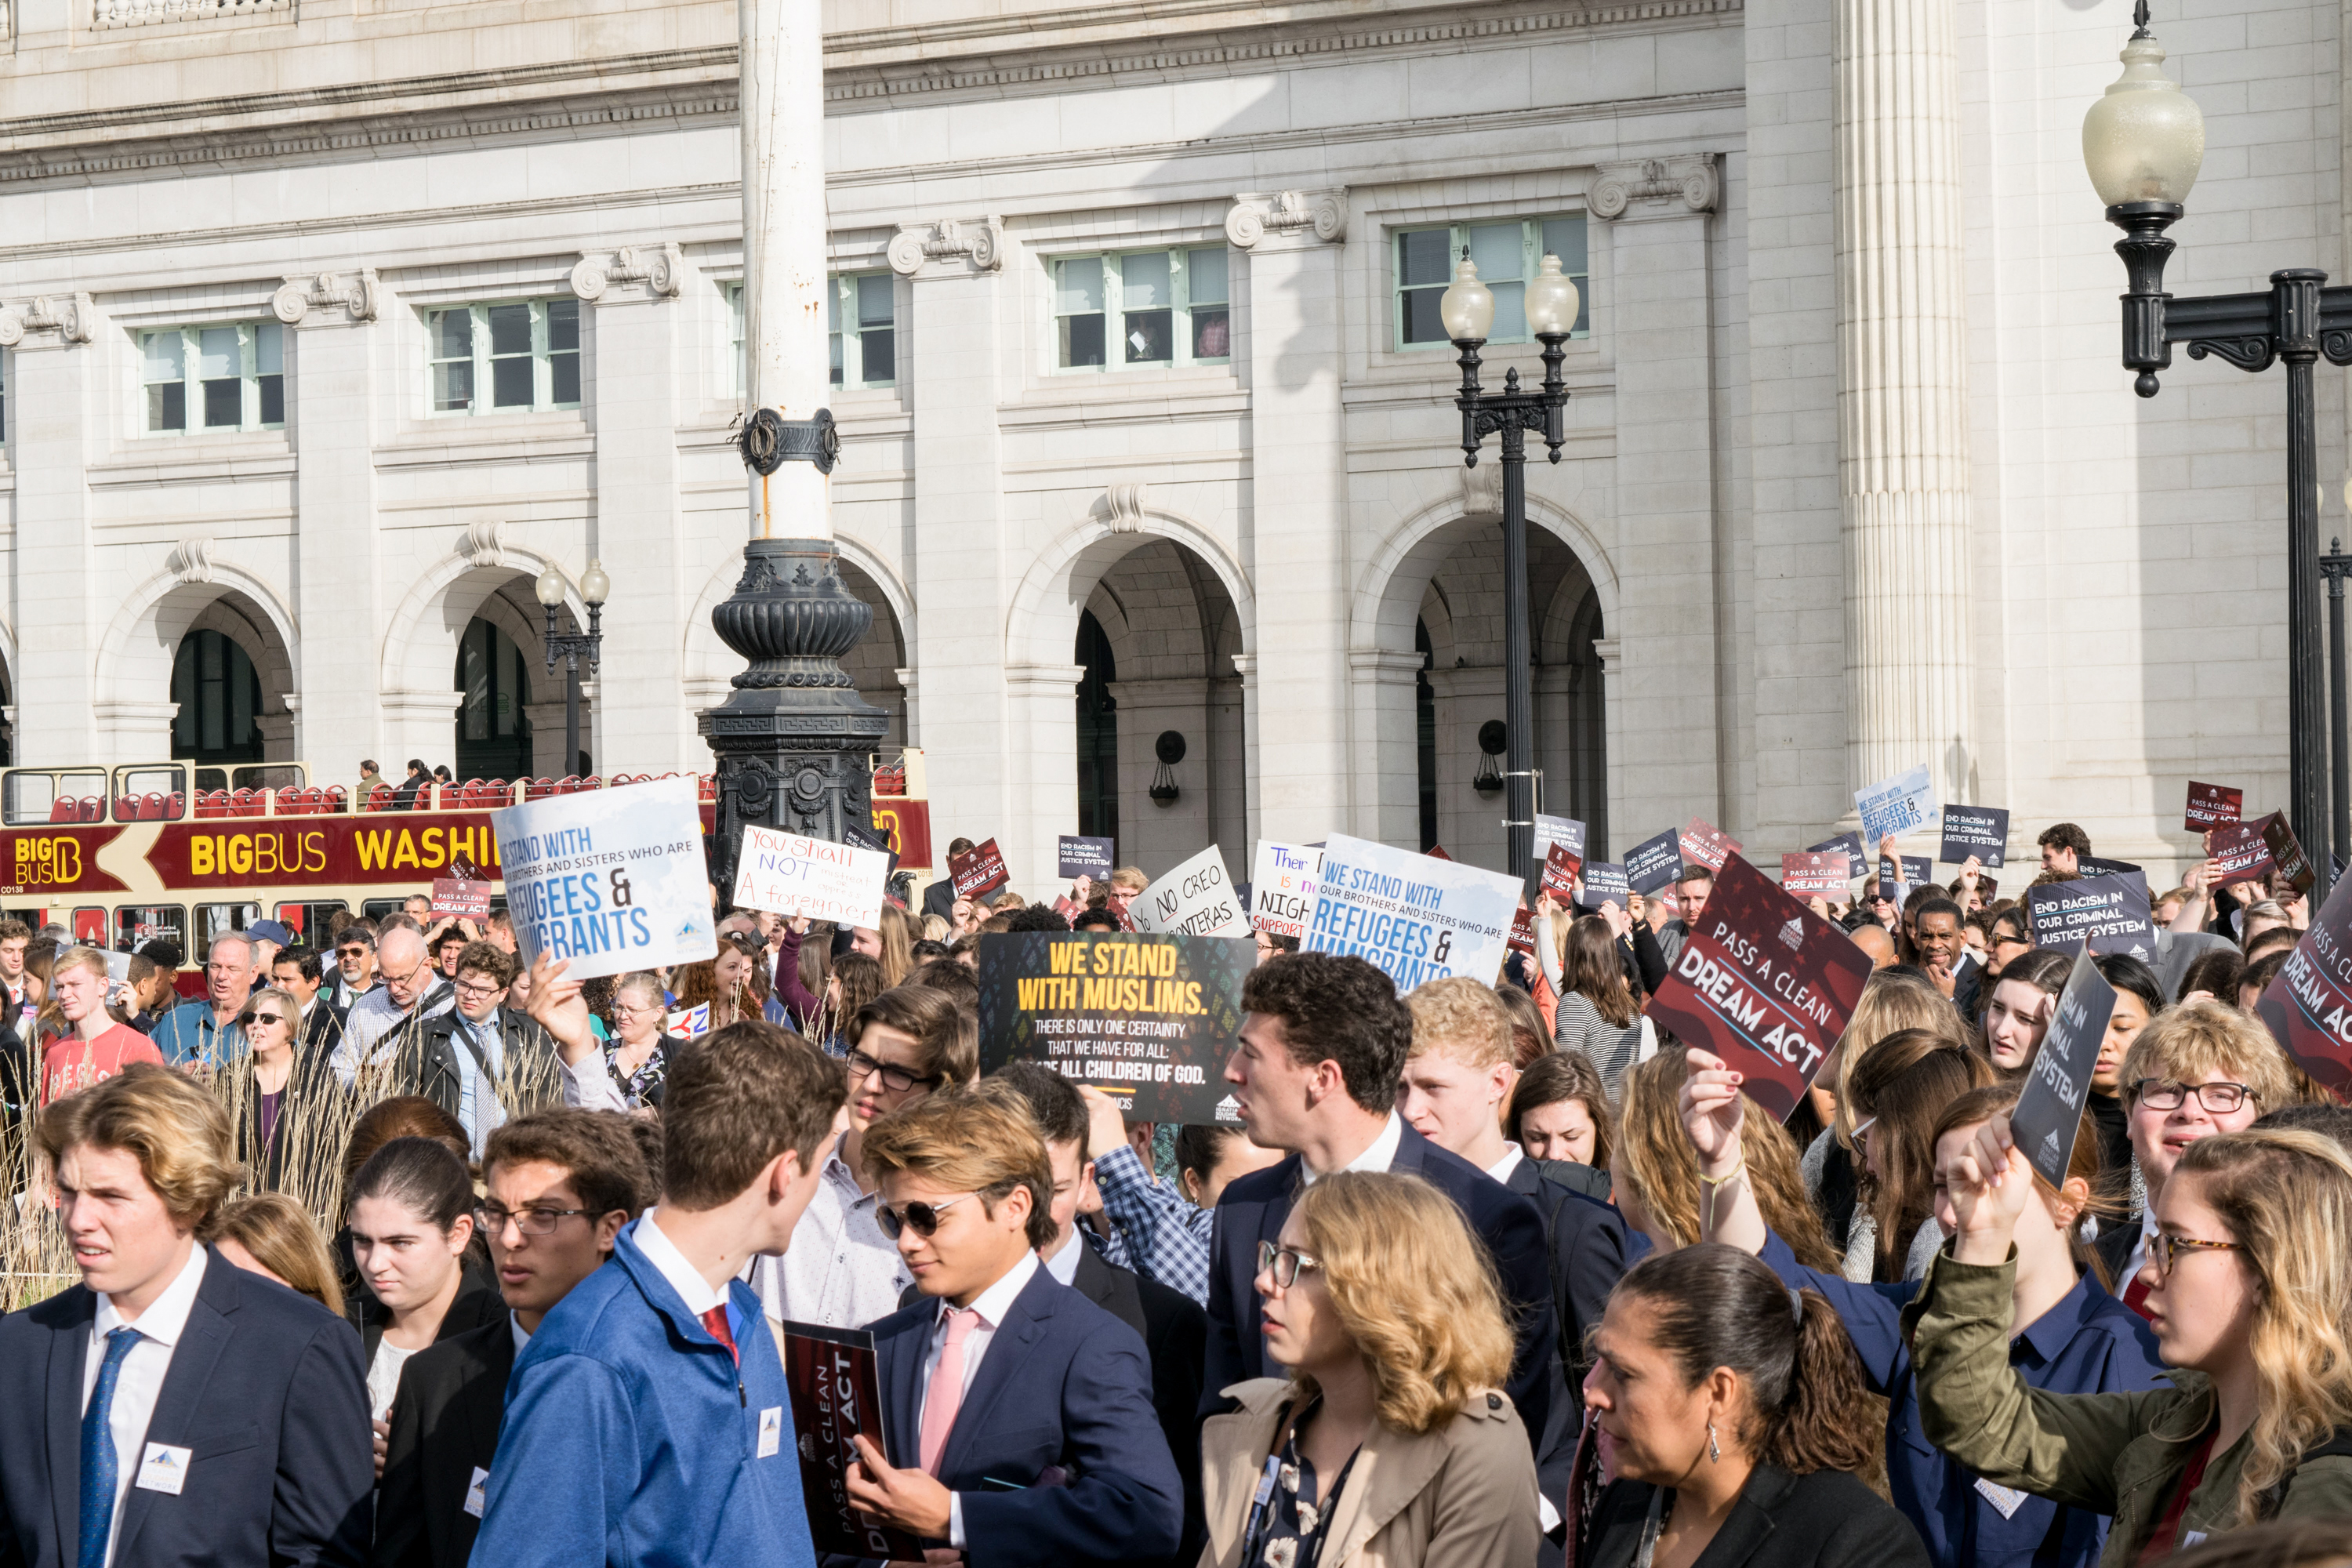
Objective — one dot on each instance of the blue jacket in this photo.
(630, 1438)
(2088, 1343)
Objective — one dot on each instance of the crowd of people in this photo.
(395, 1251)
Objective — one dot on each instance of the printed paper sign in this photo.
(978, 869)
(2092, 866)
(834, 1375)
(1559, 872)
(1563, 831)
(866, 839)
(1417, 918)
(1523, 930)
(1197, 899)
(1912, 870)
(1898, 804)
(1605, 884)
(689, 1023)
(2286, 853)
(1765, 983)
(2210, 806)
(2107, 914)
(1979, 830)
(2049, 1105)
(2239, 853)
(1147, 1020)
(1850, 843)
(787, 874)
(461, 898)
(1655, 863)
(1814, 875)
(2308, 1006)
(1282, 886)
(1703, 844)
(608, 879)
(1086, 857)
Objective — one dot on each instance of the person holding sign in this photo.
(2249, 1282)
(2073, 1337)
(1596, 1017)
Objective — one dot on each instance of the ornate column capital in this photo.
(1287, 218)
(191, 560)
(47, 321)
(630, 274)
(1677, 186)
(948, 248)
(341, 299)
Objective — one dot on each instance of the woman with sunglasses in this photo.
(287, 1103)
(2249, 1277)
(1390, 1442)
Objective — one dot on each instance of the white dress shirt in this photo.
(1378, 1155)
(1501, 1169)
(698, 1294)
(992, 1304)
(1064, 1265)
(840, 1271)
(478, 1108)
(2138, 1258)
(139, 1381)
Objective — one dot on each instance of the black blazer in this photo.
(1254, 1207)
(444, 1427)
(434, 1059)
(478, 1302)
(266, 1387)
(2114, 1244)
(1826, 1519)
(1586, 1239)
(312, 1091)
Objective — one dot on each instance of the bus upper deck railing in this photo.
(308, 800)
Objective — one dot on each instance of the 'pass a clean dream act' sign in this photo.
(609, 879)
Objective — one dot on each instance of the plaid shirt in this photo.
(1153, 1230)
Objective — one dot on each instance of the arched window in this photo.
(1097, 733)
(493, 733)
(219, 694)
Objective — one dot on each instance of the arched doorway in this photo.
(219, 696)
(1098, 731)
(494, 727)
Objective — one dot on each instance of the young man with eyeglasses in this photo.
(1020, 1417)
(478, 1054)
(841, 1270)
(2198, 1071)
(559, 1187)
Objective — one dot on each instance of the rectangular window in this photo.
(1507, 254)
(861, 324)
(525, 354)
(1145, 309)
(230, 377)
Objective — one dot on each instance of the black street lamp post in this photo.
(573, 647)
(2334, 567)
(1468, 309)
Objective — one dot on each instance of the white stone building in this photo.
(329, 323)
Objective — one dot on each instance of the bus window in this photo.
(150, 794)
(373, 909)
(35, 918)
(136, 925)
(27, 798)
(32, 797)
(90, 927)
(219, 920)
(308, 921)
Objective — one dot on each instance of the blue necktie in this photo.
(99, 1465)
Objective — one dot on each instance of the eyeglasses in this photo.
(923, 1219)
(530, 1221)
(2220, 1098)
(411, 978)
(465, 988)
(896, 1079)
(1861, 1135)
(1283, 1263)
(2166, 1247)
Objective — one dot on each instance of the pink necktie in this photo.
(946, 1394)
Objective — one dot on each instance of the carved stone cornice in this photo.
(1298, 218)
(341, 299)
(1123, 506)
(1655, 187)
(483, 544)
(631, 275)
(45, 321)
(948, 248)
(191, 560)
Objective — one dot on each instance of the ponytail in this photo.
(1823, 1423)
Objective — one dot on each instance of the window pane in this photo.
(273, 400)
(563, 377)
(167, 405)
(1143, 282)
(225, 404)
(509, 329)
(563, 326)
(833, 287)
(511, 383)
(268, 349)
(1080, 289)
(217, 352)
(1564, 237)
(1422, 323)
(876, 306)
(877, 351)
(1510, 313)
(1495, 246)
(1423, 257)
(833, 344)
(1150, 336)
(453, 334)
(162, 355)
(1082, 341)
(1212, 333)
(453, 387)
(1208, 276)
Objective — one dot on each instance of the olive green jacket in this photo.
(2118, 1454)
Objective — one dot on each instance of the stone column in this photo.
(1903, 425)
(1387, 758)
(1298, 509)
(61, 613)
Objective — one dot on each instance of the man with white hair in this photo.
(381, 1021)
(205, 1028)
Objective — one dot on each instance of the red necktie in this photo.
(2136, 1295)
(715, 1320)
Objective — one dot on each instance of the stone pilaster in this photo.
(56, 406)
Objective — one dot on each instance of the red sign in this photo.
(2309, 1006)
(836, 1389)
(2287, 852)
(2210, 806)
(458, 896)
(409, 846)
(1559, 872)
(1763, 982)
(1815, 875)
(2238, 853)
(1523, 930)
(908, 825)
(56, 860)
(1703, 844)
(978, 869)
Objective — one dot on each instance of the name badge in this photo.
(2002, 1498)
(163, 1468)
(771, 1430)
(475, 1491)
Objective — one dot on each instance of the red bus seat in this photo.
(150, 807)
(64, 809)
(175, 803)
(93, 808)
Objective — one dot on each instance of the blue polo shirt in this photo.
(2088, 1343)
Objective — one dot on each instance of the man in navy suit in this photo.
(172, 1408)
(1316, 1070)
(1020, 1421)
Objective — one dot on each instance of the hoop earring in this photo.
(1714, 1454)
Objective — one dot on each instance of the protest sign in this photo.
(1196, 899)
(787, 874)
(609, 879)
(1086, 857)
(1814, 875)
(1703, 844)
(461, 898)
(2092, 866)
(2058, 1085)
(836, 1391)
(1605, 883)
(1282, 886)
(1912, 869)
(1856, 863)
(2308, 1006)
(2239, 853)
(2108, 914)
(1655, 863)
(2286, 853)
(1898, 804)
(1416, 919)
(1564, 831)
(978, 869)
(689, 1023)
(866, 839)
(2210, 806)
(1763, 982)
(1979, 830)
(1559, 872)
(1437, 852)
(1147, 1018)
(1523, 930)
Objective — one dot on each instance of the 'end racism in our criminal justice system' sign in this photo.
(2050, 1106)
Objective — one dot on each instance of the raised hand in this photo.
(1989, 1183)
(1711, 1112)
(557, 1007)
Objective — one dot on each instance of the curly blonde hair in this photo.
(1462, 1019)
(1413, 1289)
